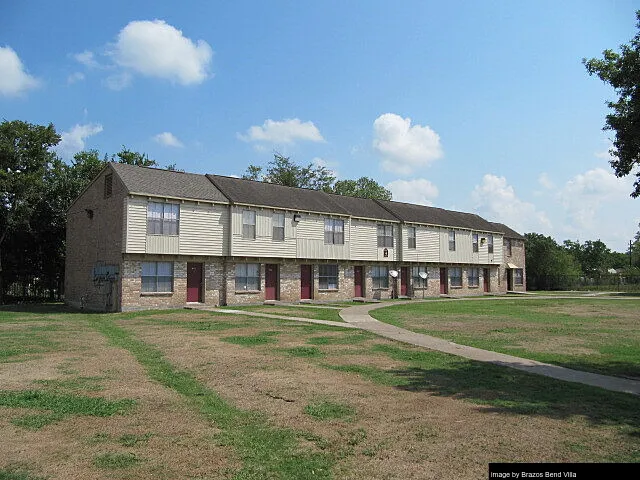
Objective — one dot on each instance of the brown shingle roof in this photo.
(409, 212)
(251, 192)
(508, 232)
(167, 183)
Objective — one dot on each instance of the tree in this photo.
(133, 158)
(25, 156)
(548, 264)
(622, 72)
(363, 187)
(282, 171)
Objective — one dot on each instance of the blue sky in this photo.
(474, 106)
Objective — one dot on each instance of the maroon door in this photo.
(305, 281)
(194, 282)
(444, 283)
(271, 282)
(485, 275)
(357, 281)
(404, 281)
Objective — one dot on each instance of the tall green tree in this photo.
(25, 157)
(621, 70)
(547, 264)
(364, 187)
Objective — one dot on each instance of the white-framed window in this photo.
(157, 277)
(247, 277)
(380, 276)
(473, 277)
(418, 281)
(507, 246)
(333, 231)
(474, 240)
(455, 276)
(163, 218)
(278, 226)
(248, 224)
(518, 276)
(328, 277)
(411, 237)
(452, 240)
(490, 243)
(385, 236)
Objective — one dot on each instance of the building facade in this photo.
(147, 238)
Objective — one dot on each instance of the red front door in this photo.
(305, 281)
(404, 281)
(444, 282)
(271, 282)
(194, 282)
(357, 281)
(485, 275)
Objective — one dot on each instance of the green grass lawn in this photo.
(315, 313)
(593, 334)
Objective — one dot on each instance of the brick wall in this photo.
(94, 235)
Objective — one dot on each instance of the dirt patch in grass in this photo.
(393, 433)
(178, 441)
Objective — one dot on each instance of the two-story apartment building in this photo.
(150, 238)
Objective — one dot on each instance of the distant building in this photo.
(149, 238)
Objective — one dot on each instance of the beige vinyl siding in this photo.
(136, 225)
(203, 229)
(310, 239)
(427, 245)
(497, 257)
(464, 250)
(165, 244)
(365, 240)
(263, 245)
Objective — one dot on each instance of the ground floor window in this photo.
(418, 282)
(518, 276)
(247, 276)
(328, 277)
(455, 276)
(473, 277)
(157, 277)
(380, 276)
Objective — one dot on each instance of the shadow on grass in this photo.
(512, 391)
(39, 308)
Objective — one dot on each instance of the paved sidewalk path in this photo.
(359, 317)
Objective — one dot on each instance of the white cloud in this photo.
(420, 191)
(14, 80)
(286, 131)
(545, 181)
(404, 147)
(330, 166)
(75, 77)
(168, 139)
(73, 141)
(87, 58)
(496, 200)
(119, 81)
(586, 194)
(157, 49)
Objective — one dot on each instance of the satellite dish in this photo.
(423, 275)
(393, 273)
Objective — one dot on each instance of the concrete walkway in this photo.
(359, 317)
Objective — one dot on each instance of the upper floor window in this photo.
(475, 242)
(333, 231)
(473, 277)
(108, 185)
(278, 226)
(380, 276)
(507, 246)
(328, 277)
(385, 235)
(455, 276)
(157, 277)
(452, 240)
(411, 236)
(248, 224)
(163, 218)
(490, 243)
